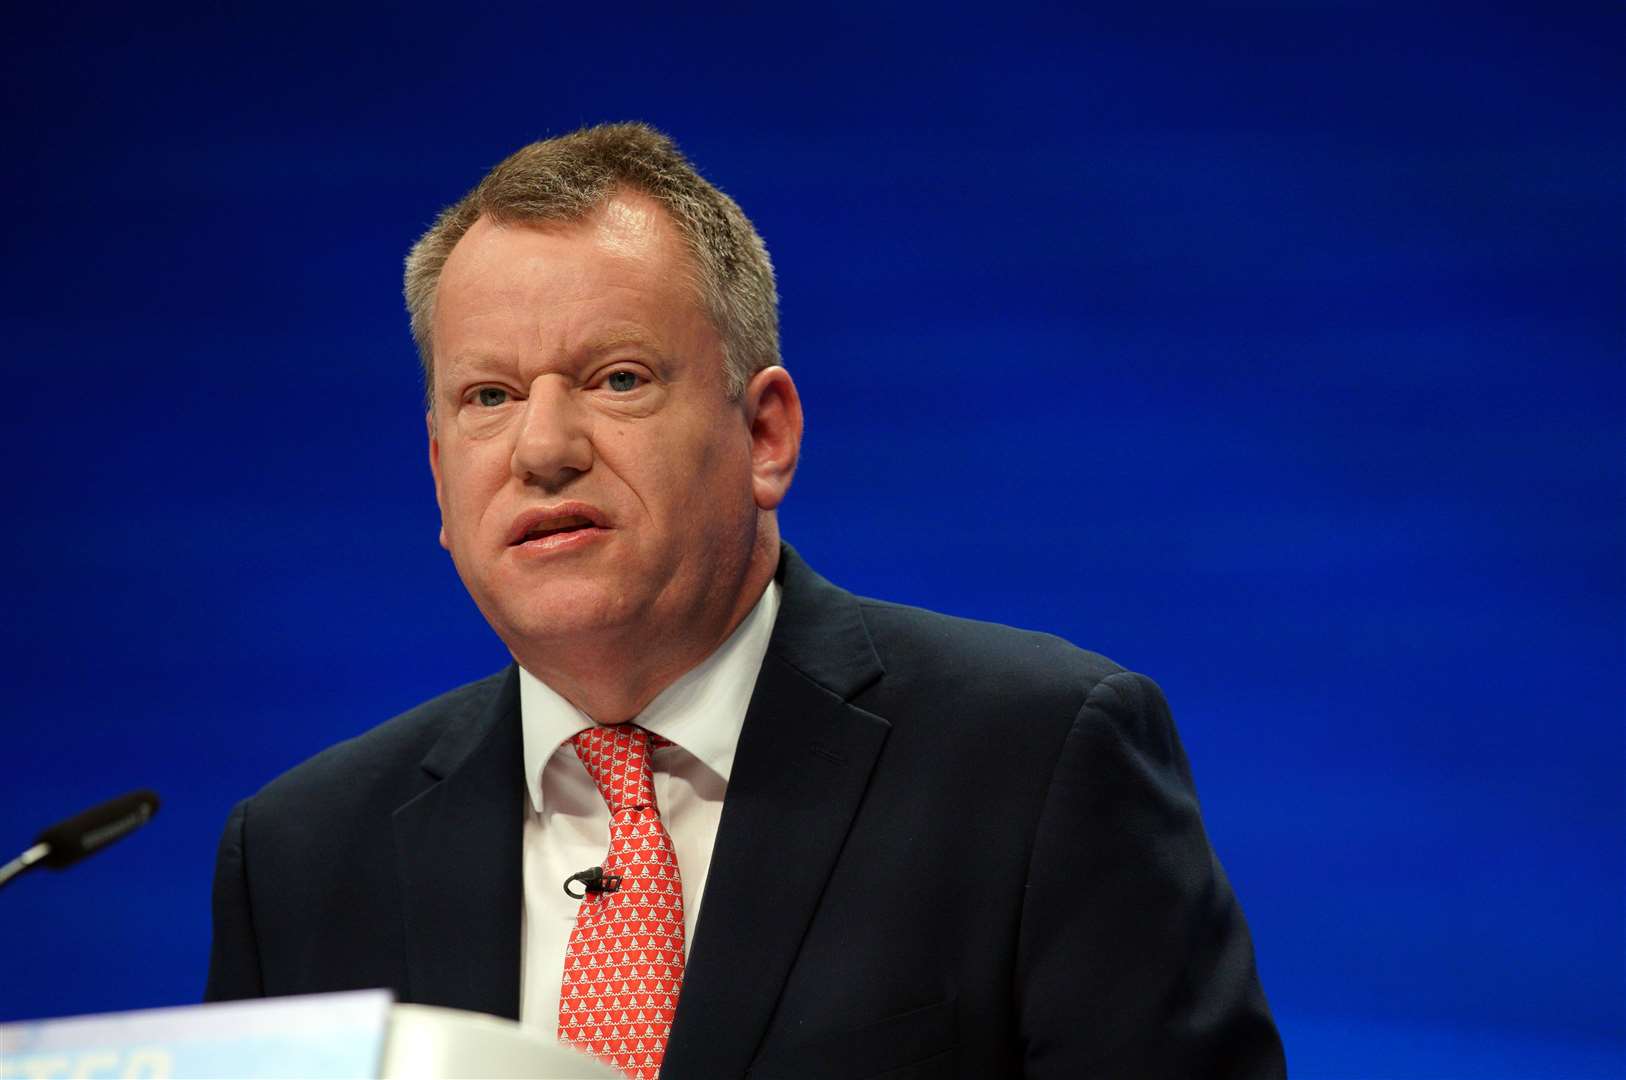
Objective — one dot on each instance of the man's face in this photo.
(595, 482)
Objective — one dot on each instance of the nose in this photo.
(553, 446)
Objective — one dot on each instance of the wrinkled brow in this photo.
(617, 338)
(475, 362)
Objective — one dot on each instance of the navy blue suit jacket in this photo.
(948, 848)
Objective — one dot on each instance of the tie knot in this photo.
(617, 758)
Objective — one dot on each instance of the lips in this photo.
(569, 523)
(546, 523)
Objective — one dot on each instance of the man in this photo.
(803, 834)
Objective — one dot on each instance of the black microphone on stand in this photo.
(86, 833)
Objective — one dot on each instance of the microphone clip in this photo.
(593, 880)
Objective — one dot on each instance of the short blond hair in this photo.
(567, 179)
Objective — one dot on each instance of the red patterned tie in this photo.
(624, 965)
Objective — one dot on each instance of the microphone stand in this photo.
(23, 862)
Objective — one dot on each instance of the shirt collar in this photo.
(702, 712)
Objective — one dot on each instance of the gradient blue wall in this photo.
(1274, 350)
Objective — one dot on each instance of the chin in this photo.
(566, 614)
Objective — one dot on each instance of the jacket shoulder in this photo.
(953, 658)
(909, 634)
(381, 760)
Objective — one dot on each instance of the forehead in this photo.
(549, 281)
(631, 225)
(628, 232)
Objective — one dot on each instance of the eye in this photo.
(623, 381)
(491, 396)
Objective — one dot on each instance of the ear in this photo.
(434, 470)
(773, 410)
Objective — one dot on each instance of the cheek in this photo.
(716, 484)
(467, 483)
(687, 477)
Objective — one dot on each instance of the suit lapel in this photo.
(458, 852)
(800, 772)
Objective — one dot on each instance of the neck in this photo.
(613, 679)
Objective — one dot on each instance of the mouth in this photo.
(573, 523)
(556, 525)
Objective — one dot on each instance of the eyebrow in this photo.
(615, 339)
(464, 362)
(474, 362)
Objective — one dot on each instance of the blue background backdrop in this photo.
(1274, 350)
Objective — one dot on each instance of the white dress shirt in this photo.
(567, 825)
